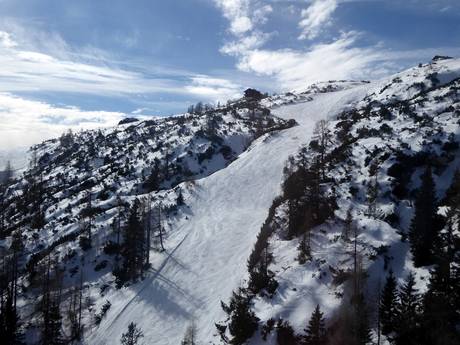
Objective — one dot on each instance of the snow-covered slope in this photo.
(376, 151)
(229, 165)
(207, 253)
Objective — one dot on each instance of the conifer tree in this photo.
(322, 140)
(51, 332)
(158, 226)
(361, 330)
(316, 329)
(348, 225)
(132, 335)
(388, 305)
(304, 249)
(424, 225)
(408, 318)
(440, 317)
(74, 312)
(259, 277)
(372, 195)
(133, 247)
(10, 333)
(87, 218)
(180, 198)
(36, 195)
(153, 181)
(285, 334)
(243, 322)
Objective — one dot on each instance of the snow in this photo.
(211, 240)
(404, 85)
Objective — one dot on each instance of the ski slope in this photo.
(210, 241)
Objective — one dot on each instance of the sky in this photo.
(84, 64)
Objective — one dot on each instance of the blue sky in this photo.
(87, 63)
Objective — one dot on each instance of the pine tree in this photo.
(447, 275)
(440, 317)
(51, 330)
(36, 195)
(361, 330)
(424, 225)
(408, 318)
(87, 216)
(372, 195)
(10, 332)
(153, 181)
(322, 140)
(158, 228)
(304, 249)
(132, 335)
(180, 198)
(316, 329)
(243, 321)
(285, 334)
(348, 225)
(133, 248)
(67, 139)
(147, 219)
(52, 334)
(388, 305)
(74, 312)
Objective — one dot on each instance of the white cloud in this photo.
(241, 25)
(295, 69)
(339, 59)
(237, 12)
(260, 14)
(45, 63)
(250, 42)
(213, 89)
(243, 15)
(25, 122)
(25, 70)
(315, 17)
(6, 41)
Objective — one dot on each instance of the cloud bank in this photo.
(24, 122)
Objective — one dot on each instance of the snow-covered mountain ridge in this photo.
(358, 150)
(372, 156)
